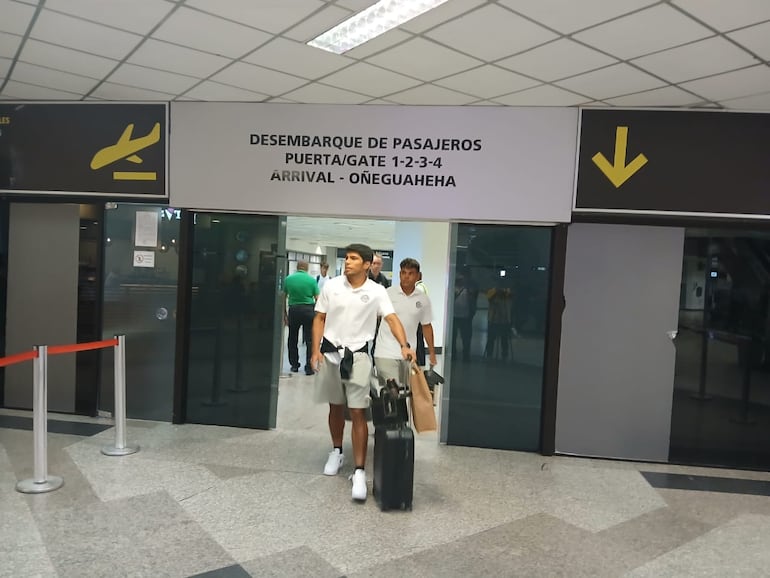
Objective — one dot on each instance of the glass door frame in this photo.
(184, 311)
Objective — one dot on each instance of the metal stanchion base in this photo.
(116, 451)
(30, 486)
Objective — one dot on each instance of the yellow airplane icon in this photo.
(126, 148)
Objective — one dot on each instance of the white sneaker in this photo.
(359, 485)
(334, 462)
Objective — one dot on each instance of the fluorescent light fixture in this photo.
(370, 23)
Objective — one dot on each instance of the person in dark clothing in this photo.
(301, 292)
(375, 272)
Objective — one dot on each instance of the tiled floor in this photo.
(221, 501)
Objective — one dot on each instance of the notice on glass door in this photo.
(146, 229)
(144, 258)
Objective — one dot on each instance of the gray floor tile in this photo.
(294, 563)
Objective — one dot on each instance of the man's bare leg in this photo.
(360, 436)
(337, 424)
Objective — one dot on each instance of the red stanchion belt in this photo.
(17, 358)
(58, 349)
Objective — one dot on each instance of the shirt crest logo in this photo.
(364, 298)
(419, 305)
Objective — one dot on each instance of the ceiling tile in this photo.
(297, 58)
(16, 17)
(75, 33)
(440, 14)
(663, 28)
(612, 81)
(355, 5)
(727, 15)
(151, 79)
(430, 94)
(271, 15)
(568, 15)
(208, 90)
(281, 99)
(557, 60)
(9, 44)
(42, 76)
(216, 35)
(666, 96)
(327, 18)
(5, 66)
(545, 95)
(319, 93)
(380, 43)
(257, 79)
(487, 81)
(756, 102)
(66, 59)
(502, 33)
(23, 91)
(756, 38)
(424, 59)
(371, 80)
(735, 84)
(157, 54)
(485, 103)
(111, 91)
(703, 58)
(138, 16)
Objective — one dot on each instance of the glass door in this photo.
(498, 311)
(234, 338)
(141, 266)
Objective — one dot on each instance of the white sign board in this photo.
(429, 163)
(144, 259)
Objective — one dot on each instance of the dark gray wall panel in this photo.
(616, 368)
(43, 244)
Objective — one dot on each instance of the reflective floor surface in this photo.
(218, 501)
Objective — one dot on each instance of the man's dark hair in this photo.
(364, 251)
(410, 263)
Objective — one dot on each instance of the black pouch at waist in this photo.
(346, 364)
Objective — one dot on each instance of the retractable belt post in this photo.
(120, 448)
(41, 482)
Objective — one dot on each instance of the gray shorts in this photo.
(388, 368)
(354, 392)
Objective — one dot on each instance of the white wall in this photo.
(429, 244)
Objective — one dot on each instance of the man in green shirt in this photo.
(301, 291)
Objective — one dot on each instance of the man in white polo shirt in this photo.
(413, 309)
(345, 322)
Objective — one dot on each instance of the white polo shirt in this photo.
(412, 310)
(351, 314)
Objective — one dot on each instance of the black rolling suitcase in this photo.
(393, 450)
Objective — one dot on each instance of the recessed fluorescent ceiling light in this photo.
(370, 23)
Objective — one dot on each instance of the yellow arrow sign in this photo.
(619, 172)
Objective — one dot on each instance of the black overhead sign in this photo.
(110, 149)
(674, 162)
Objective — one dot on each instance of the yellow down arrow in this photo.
(619, 172)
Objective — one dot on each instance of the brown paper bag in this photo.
(423, 414)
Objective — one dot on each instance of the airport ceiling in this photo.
(627, 53)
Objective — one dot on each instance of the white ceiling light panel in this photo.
(370, 23)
